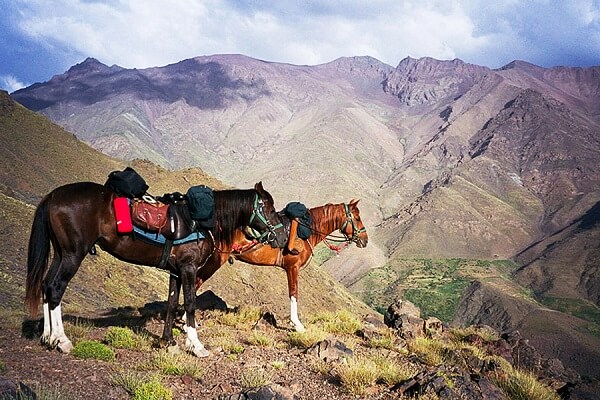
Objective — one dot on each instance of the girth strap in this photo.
(166, 252)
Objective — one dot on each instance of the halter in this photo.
(258, 211)
(347, 239)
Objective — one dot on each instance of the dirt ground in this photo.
(25, 360)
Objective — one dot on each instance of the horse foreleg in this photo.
(172, 302)
(192, 343)
(292, 278)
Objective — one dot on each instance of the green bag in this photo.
(201, 202)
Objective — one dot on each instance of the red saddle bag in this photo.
(150, 216)
(122, 215)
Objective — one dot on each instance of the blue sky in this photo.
(40, 39)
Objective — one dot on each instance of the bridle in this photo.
(258, 212)
(350, 220)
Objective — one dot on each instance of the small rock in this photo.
(330, 350)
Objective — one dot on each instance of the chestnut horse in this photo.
(77, 216)
(325, 220)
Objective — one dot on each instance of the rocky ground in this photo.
(254, 357)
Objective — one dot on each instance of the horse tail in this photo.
(37, 257)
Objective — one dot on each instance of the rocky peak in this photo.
(88, 66)
(427, 80)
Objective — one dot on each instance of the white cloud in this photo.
(10, 83)
(151, 33)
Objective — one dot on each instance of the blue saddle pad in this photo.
(159, 239)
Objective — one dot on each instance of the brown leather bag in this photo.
(150, 216)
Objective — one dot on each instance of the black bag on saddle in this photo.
(299, 210)
(127, 183)
(201, 203)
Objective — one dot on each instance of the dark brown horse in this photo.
(325, 220)
(77, 216)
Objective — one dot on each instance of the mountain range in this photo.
(450, 159)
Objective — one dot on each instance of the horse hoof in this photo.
(65, 347)
(199, 352)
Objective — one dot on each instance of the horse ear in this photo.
(354, 201)
(259, 187)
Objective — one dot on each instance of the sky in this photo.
(41, 38)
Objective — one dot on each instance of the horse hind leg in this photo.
(56, 283)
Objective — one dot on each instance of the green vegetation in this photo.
(578, 308)
(91, 349)
(142, 387)
(153, 389)
(124, 338)
(2, 366)
(435, 286)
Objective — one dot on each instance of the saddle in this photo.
(168, 215)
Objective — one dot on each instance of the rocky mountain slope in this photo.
(451, 159)
(250, 357)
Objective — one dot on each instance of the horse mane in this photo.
(324, 219)
(233, 209)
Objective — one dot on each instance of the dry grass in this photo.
(255, 377)
(308, 338)
(341, 322)
(518, 384)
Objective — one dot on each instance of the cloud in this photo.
(142, 34)
(10, 83)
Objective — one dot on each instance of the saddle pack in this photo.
(127, 183)
(299, 211)
(201, 203)
(149, 214)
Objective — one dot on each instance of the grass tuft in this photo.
(142, 387)
(308, 338)
(517, 384)
(241, 317)
(357, 374)
(254, 378)
(91, 349)
(175, 364)
(261, 339)
(79, 329)
(341, 322)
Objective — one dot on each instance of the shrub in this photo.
(153, 389)
(120, 338)
(87, 349)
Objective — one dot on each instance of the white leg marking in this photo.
(192, 343)
(58, 337)
(184, 319)
(45, 339)
(294, 315)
